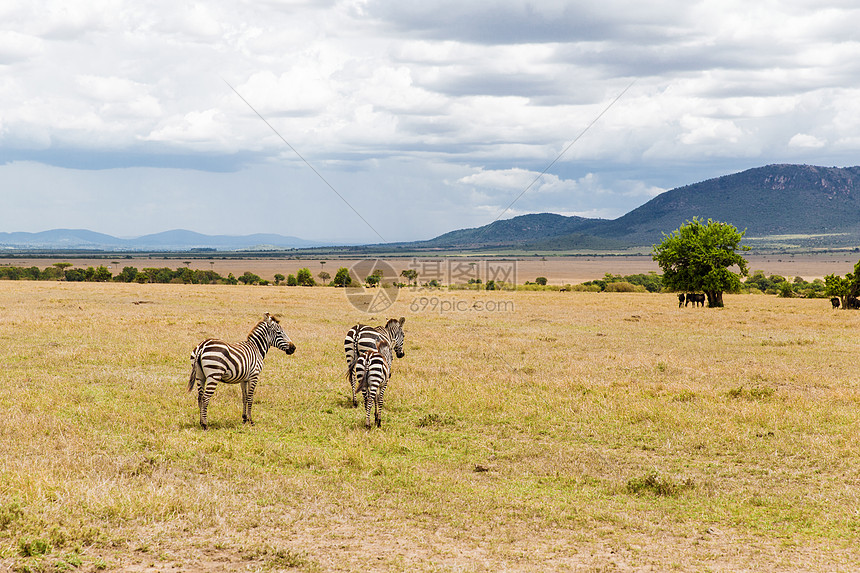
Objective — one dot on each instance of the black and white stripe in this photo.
(372, 369)
(214, 361)
(362, 338)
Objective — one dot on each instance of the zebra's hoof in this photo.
(204, 426)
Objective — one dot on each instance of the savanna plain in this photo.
(522, 431)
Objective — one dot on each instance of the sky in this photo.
(367, 121)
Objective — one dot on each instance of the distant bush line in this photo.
(756, 283)
(181, 275)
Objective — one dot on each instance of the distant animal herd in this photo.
(369, 354)
(697, 299)
(850, 302)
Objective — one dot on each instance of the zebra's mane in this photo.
(263, 324)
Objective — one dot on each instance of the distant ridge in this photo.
(820, 203)
(176, 240)
(766, 201)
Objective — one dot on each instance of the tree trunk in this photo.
(715, 298)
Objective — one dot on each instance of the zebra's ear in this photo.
(402, 320)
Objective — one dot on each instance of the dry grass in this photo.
(580, 431)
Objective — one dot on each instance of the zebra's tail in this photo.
(195, 364)
(351, 347)
(361, 383)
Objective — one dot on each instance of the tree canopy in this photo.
(697, 257)
(844, 287)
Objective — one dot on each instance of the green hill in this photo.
(766, 201)
(522, 230)
(816, 206)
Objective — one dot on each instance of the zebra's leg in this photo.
(204, 395)
(379, 400)
(352, 382)
(244, 386)
(248, 396)
(369, 400)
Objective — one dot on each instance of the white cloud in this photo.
(16, 47)
(806, 141)
(706, 130)
(199, 129)
(483, 96)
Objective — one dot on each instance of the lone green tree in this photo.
(374, 278)
(411, 275)
(342, 278)
(697, 257)
(305, 278)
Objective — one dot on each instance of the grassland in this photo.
(568, 432)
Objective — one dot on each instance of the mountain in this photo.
(182, 240)
(816, 206)
(766, 201)
(58, 239)
(522, 229)
(177, 240)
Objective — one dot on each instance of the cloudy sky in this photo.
(371, 120)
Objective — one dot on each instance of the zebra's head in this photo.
(278, 338)
(395, 333)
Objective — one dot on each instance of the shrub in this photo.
(31, 548)
(342, 278)
(621, 286)
(305, 278)
(127, 275)
(249, 278)
(755, 393)
(654, 484)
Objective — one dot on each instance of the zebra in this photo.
(214, 361)
(372, 369)
(361, 337)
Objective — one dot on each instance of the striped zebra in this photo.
(216, 361)
(372, 369)
(361, 338)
